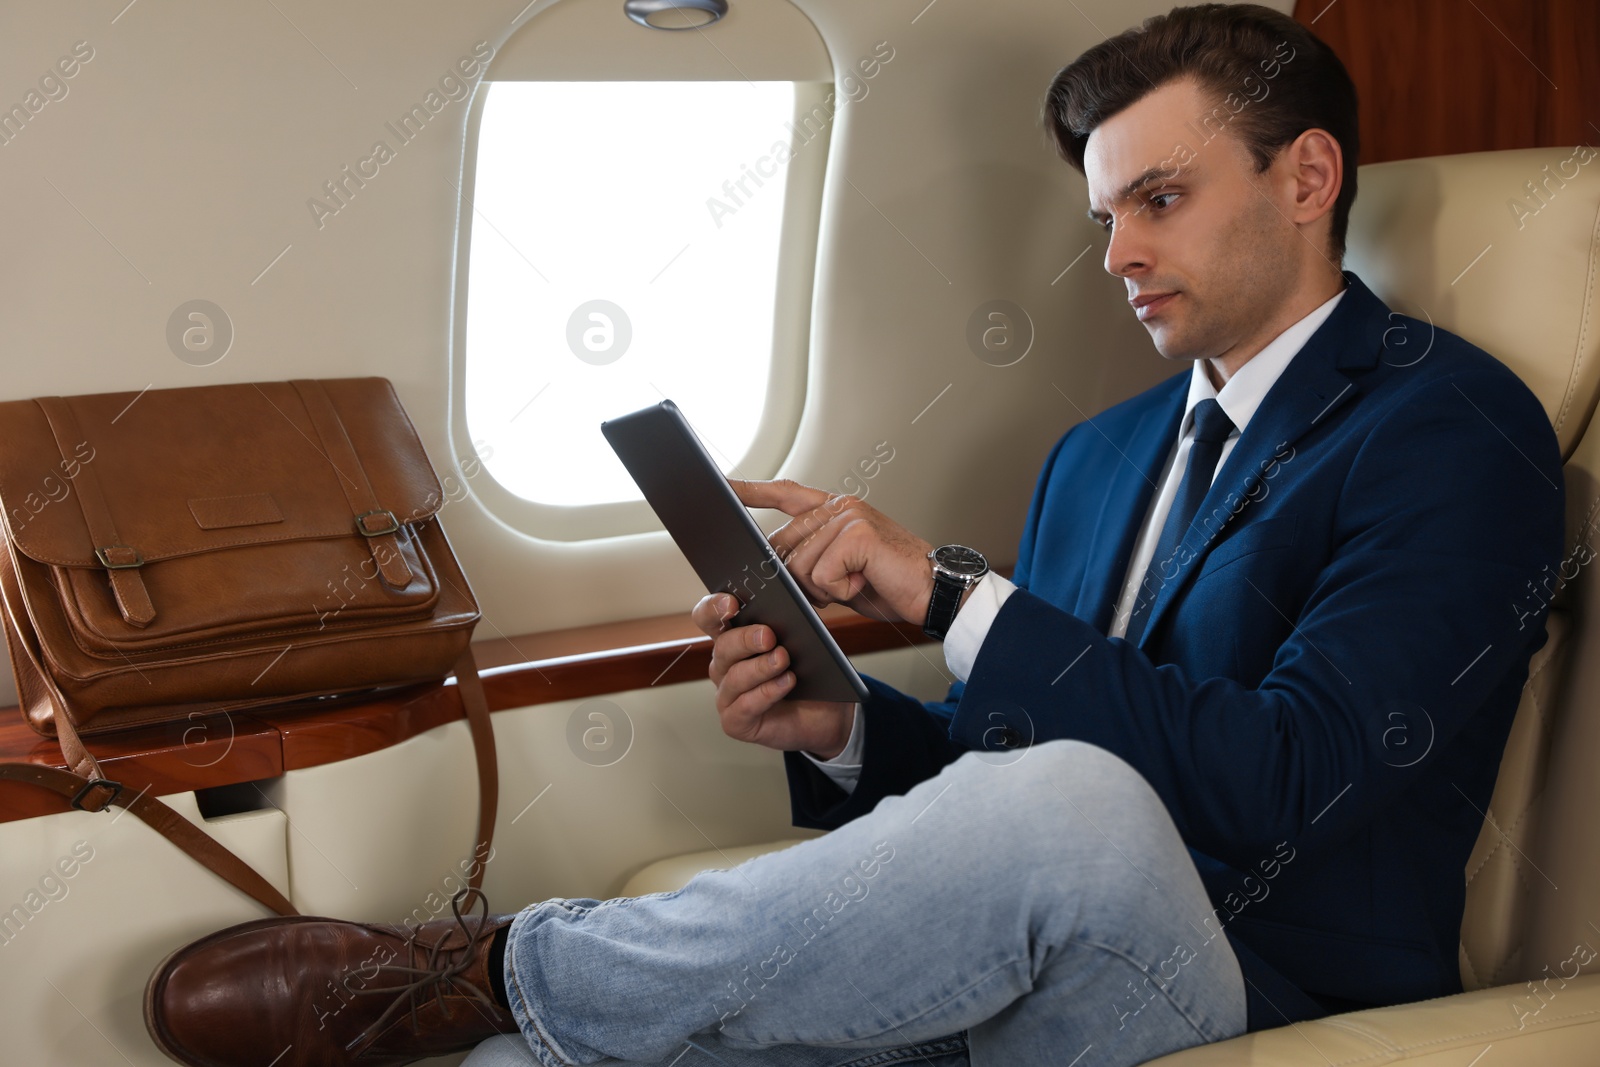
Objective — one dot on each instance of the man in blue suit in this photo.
(1281, 586)
(1221, 745)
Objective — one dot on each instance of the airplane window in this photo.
(625, 242)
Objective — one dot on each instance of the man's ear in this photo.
(1315, 166)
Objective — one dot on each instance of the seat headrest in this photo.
(1502, 248)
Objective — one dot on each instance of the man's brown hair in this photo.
(1271, 77)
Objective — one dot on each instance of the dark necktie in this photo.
(1211, 429)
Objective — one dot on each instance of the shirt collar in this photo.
(1242, 394)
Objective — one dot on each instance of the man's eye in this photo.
(1159, 197)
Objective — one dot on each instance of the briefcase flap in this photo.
(183, 472)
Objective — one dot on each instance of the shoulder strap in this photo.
(476, 705)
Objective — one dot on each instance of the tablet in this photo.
(726, 547)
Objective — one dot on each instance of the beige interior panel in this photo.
(918, 670)
(384, 836)
(72, 975)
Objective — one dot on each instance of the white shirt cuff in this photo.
(972, 623)
(845, 768)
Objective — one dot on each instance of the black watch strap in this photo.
(943, 605)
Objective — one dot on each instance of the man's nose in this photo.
(1126, 252)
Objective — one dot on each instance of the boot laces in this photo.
(429, 979)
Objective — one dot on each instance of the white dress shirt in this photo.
(1239, 398)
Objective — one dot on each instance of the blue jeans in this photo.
(1033, 906)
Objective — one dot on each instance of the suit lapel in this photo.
(1318, 381)
(1123, 509)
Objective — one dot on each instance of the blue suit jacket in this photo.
(1325, 686)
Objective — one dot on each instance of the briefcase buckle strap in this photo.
(78, 800)
(376, 523)
(119, 557)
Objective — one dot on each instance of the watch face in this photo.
(961, 560)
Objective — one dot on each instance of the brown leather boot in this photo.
(308, 990)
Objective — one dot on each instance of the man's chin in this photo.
(1173, 345)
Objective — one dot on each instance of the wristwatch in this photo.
(956, 568)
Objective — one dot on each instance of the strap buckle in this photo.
(389, 523)
(104, 555)
(96, 783)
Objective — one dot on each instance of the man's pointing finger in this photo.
(789, 497)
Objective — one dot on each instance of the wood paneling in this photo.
(174, 758)
(1439, 77)
(544, 668)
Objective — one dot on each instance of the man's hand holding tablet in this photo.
(752, 675)
(840, 549)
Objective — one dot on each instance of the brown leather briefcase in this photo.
(182, 552)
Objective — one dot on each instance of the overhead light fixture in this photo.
(675, 14)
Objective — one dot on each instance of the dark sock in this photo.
(497, 965)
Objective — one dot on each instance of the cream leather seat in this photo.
(1502, 248)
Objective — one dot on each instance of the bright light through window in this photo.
(624, 250)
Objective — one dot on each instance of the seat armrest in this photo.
(1554, 1023)
(674, 872)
